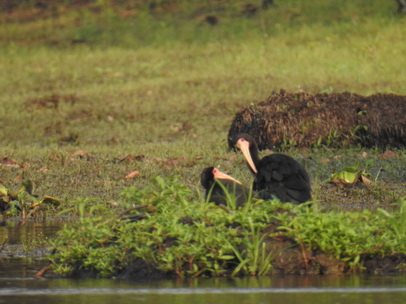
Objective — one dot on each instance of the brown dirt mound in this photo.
(335, 120)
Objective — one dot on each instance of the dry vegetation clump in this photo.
(335, 120)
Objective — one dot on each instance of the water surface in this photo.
(20, 260)
(21, 287)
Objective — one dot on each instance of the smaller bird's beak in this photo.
(221, 175)
(244, 146)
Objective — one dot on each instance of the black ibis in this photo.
(276, 175)
(219, 185)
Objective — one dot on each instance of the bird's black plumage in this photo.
(216, 183)
(276, 175)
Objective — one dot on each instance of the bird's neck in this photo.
(254, 154)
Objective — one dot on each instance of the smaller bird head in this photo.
(210, 173)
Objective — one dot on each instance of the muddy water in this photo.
(19, 262)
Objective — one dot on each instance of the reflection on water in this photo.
(22, 239)
(17, 283)
(215, 299)
(281, 289)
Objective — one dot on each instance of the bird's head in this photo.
(209, 174)
(246, 143)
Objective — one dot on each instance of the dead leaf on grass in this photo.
(113, 203)
(132, 174)
(43, 169)
(192, 162)
(80, 153)
(132, 157)
(170, 162)
(25, 165)
(5, 161)
(388, 154)
(366, 180)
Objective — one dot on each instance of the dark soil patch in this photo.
(21, 11)
(51, 102)
(393, 263)
(295, 259)
(336, 120)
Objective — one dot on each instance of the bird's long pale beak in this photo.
(244, 146)
(221, 175)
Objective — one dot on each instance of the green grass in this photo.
(165, 85)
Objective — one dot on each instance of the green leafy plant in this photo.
(350, 176)
(175, 235)
(255, 259)
(169, 233)
(398, 220)
(344, 235)
(24, 202)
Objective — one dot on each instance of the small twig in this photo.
(326, 148)
(225, 209)
(305, 260)
(135, 207)
(41, 273)
(377, 175)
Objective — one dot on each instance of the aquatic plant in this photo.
(24, 202)
(168, 232)
(255, 258)
(345, 235)
(163, 231)
(397, 221)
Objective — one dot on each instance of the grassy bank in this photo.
(165, 233)
(163, 85)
